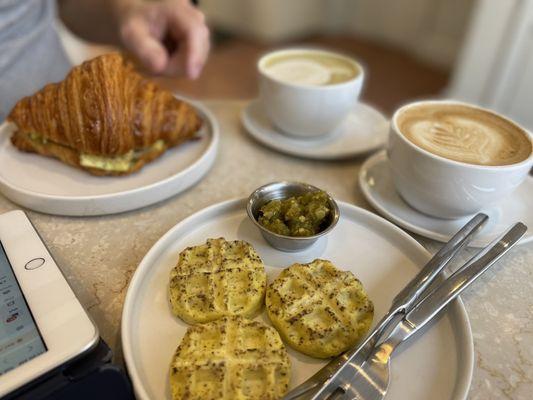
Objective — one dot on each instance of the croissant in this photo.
(104, 118)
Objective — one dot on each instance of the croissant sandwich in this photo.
(104, 118)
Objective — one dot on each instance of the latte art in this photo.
(310, 68)
(465, 134)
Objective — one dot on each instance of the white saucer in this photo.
(364, 130)
(378, 188)
(47, 185)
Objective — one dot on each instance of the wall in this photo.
(265, 20)
(495, 68)
(430, 29)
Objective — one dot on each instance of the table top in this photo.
(99, 255)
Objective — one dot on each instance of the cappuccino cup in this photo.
(306, 92)
(450, 159)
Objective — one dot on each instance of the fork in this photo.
(401, 304)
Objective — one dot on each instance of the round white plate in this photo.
(437, 365)
(377, 187)
(50, 186)
(364, 130)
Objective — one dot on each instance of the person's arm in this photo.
(168, 36)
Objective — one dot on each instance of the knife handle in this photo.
(410, 294)
(449, 289)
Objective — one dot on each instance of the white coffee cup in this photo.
(307, 111)
(445, 188)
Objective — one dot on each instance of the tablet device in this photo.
(43, 325)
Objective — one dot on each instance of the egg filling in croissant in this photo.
(104, 118)
(120, 163)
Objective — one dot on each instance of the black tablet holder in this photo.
(88, 377)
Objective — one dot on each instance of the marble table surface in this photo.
(98, 255)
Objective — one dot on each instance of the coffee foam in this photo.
(303, 72)
(314, 69)
(465, 134)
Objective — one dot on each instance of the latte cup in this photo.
(445, 188)
(305, 110)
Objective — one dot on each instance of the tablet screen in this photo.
(20, 340)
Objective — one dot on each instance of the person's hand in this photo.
(168, 37)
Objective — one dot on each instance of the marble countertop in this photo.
(98, 255)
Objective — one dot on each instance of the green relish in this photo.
(304, 215)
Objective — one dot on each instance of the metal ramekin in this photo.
(283, 190)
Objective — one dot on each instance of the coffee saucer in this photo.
(376, 184)
(364, 130)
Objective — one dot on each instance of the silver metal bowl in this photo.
(283, 190)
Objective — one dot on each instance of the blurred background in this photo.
(480, 51)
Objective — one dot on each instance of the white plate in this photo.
(50, 186)
(438, 365)
(364, 130)
(377, 187)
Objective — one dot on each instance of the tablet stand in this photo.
(90, 377)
